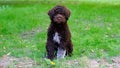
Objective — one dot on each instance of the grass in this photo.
(95, 30)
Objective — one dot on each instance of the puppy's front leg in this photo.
(50, 50)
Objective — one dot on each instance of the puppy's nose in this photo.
(59, 18)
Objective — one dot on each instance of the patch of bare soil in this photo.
(103, 63)
(13, 62)
(85, 62)
(31, 33)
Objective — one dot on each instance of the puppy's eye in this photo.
(57, 10)
(63, 13)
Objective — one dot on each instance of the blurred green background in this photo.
(94, 24)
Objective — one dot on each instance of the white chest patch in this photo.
(56, 38)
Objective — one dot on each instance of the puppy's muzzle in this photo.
(59, 18)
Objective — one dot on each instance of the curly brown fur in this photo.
(59, 36)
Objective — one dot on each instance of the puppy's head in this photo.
(59, 14)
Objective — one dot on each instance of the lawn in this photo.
(95, 29)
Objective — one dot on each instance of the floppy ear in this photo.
(67, 11)
(51, 13)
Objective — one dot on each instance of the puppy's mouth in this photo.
(59, 19)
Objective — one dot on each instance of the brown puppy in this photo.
(59, 38)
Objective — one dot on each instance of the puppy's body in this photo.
(59, 38)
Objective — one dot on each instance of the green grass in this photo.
(95, 30)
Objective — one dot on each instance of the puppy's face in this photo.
(59, 14)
